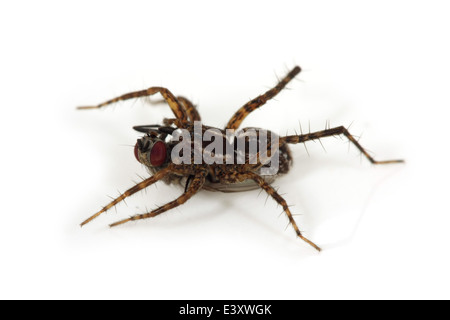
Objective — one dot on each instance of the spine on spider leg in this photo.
(314, 135)
(274, 91)
(333, 132)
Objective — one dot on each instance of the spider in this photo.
(154, 151)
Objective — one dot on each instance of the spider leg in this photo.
(254, 104)
(168, 122)
(333, 132)
(191, 110)
(279, 199)
(195, 185)
(177, 107)
(142, 185)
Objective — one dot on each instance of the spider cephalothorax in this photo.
(154, 151)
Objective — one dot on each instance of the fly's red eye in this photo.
(136, 152)
(158, 154)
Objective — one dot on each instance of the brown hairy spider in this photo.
(156, 149)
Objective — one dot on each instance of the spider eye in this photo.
(136, 152)
(158, 154)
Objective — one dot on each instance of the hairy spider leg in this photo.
(195, 186)
(142, 185)
(254, 104)
(333, 132)
(279, 199)
(177, 107)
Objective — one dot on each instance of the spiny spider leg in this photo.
(254, 104)
(177, 108)
(195, 185)
(142, 185)
(274, 194)
(333, 132)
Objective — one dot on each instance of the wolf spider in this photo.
(153, 151)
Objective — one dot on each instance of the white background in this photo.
(382, 65)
